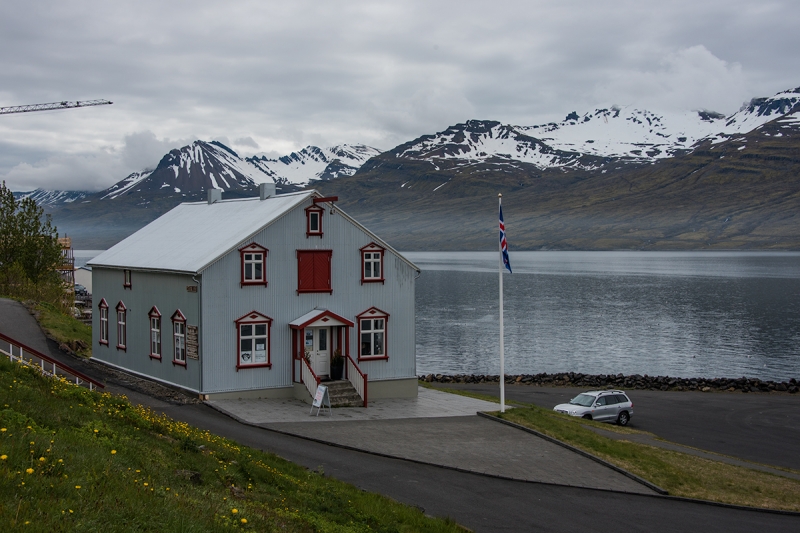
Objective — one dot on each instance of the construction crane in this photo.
(53, 105)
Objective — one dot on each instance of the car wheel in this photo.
(587, 417)
(623, 418)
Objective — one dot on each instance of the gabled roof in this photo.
(194, 235)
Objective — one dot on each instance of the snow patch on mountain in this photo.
(52, 198)
(313, 163)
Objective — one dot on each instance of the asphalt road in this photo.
(759, 427)
(478, 502)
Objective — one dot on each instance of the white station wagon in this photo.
(603, 406)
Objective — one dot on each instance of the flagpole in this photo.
(502, 348)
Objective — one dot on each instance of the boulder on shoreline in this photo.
(620, 381)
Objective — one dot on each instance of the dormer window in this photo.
(372, 263)
(126, 279)
(314, 221)
(254, 262)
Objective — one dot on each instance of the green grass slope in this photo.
(75, 460)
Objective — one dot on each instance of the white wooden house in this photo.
(253, 297)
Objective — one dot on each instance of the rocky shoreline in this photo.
(620, 381)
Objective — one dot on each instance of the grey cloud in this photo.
(276, 76)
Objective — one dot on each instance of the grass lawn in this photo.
(64, 328)
(75, 460)
(679, 473)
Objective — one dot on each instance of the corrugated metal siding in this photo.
(165, 291)
(224, 301)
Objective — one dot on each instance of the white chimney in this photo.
(214, 196)
(265, 190)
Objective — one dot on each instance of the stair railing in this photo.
(357, 378)
(31, 357)
(308, 377)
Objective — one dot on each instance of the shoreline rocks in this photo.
(620, 381)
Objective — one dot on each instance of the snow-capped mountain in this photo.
(194, 168)
(584, 141)
(203, 165)
(312, 163)
(52, 198)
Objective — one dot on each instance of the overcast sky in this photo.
(276, 76)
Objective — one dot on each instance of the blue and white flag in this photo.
(503, 243)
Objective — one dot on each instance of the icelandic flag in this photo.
(503, 243)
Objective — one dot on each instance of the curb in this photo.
(664, 494)
(588, 455)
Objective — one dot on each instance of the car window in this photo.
(602, 400)
(612, 399)
(621, 398)
(584, 400)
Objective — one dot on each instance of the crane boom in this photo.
(53, 105)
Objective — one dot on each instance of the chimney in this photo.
(265, 190)
(214, 196)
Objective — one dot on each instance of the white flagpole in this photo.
(502, 349)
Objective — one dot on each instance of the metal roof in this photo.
(193, 235)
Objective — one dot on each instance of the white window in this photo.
(122, 326)
(314, 221)
(253, 258)
(372, 263)
(126, 275)
(179, 339)
(253, 267)
(155, 333)
(253, 349)
(373, 337)
(103, 321)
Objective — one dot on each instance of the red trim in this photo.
(323, 314)
(124, 310)
(318, 210)
(155, 313)
(326, 199)
(253, 248)
(254, 318)
(126, 279)
(178, 317)
(103, 305)
(372, 313)
(372, 248)
(314, 268)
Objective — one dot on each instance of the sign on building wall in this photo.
(192, 342)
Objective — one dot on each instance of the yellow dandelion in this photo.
(95, 431)
(3, 457)
(145, 484)
(42, 459)
(3, 429)
(244, 520)
(30, 470)
(78, 487)
(61, 460)
(113, 452)
(234, 511)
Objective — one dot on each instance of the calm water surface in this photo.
(688, 314)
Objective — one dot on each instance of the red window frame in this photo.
(372, 248)
(314, 271)
(253, 318)
(318, 210)
(155, 314)
(122, 327)
(373, 313)
(253, 249)
(103, 307)
(178, 318)
(126, 279)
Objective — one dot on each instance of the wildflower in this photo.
(113, 452)
(95, 431)
(234, 511)
(61, 460)
(3, 457)
(145, 484)
(30, 470)
(3, 429)
(244, 520)
(78, 487)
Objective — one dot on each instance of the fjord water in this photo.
(683, 314)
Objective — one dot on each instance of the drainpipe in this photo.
(200, 330)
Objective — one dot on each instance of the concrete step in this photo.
(343, 394)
